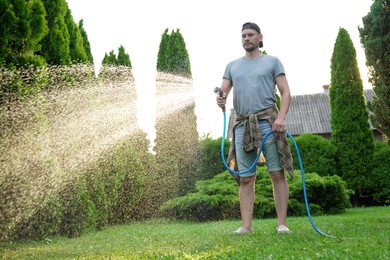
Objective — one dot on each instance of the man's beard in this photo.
(251, 48)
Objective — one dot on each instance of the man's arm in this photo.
(284, 90)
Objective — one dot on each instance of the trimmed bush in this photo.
(42, 223)
(218, 198)
(317, 154)
(326, 194)
(210, 160)
(98, 196)
(78, 210)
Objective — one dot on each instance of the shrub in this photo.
(177, 152)
(217, 198)
(211, 163)
(42, 223)
(326, 194)
(24, 81)
(380, 174)
(96, 189)
(78, 210)
(132, 188)
(317, 154)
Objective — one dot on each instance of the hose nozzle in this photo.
(219, 93)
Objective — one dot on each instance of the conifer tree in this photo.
(76, 44)
(123, 57)
(375, 37)
(351, 133)
(23, 25)
(162, 57)
(173, 56)
(110, 58)
(179, 57)
(8, 22)
(87, 45)
(55, 45)
(38, 23)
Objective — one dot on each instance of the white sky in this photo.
(300, 33)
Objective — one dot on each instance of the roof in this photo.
(309, 114)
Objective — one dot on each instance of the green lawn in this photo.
(361, 233)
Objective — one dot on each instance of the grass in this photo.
(360, 233)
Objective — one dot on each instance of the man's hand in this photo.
(279, 125)
(221, 101)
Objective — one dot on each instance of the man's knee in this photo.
(247, 180)
(277, 176)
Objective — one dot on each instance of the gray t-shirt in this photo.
(253, 82)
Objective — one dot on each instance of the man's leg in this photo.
(247, 198)
(281, 194)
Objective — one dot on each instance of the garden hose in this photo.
(255, 163)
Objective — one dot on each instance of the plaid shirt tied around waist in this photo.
(253, 139)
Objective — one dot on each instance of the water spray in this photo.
(219, 93)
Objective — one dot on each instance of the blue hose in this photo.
(255, 163)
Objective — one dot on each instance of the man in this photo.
(253, 79)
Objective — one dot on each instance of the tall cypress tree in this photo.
(76, 45)
(172, 55)
(110, 58)
(8, 22)
(123, 57)
(55, 45)
(180, 56)
(375, 37)
(87, 45)
(162, 61)
(38, 24)
(351, 133)
(23, 25)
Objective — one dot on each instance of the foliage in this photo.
(62, 77)
(122, 59)
(76, 40)
(210, 160)
(98, 195)
(351, 133)
(40, 31)
(23, 26)
(375, 37)
(78, 210)
(217, 198)
(329, 193)
(56, 44)
(86, 44)
(317, 154)
(172, 55)
(132, 187)
(42, 223)
(23, 81)
(380, 177)
(177, 152)
(33, 33)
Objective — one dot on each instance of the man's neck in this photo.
(253, 54)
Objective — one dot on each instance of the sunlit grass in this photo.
(361, 233)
